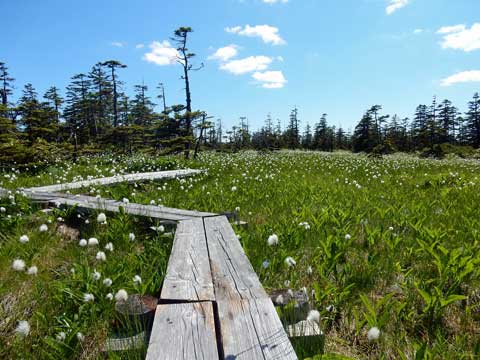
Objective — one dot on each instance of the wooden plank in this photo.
(118, 179)
(183, 331)
(251, 329)
(188, 275)
(249, 324)
(232, 273)
(90, 202)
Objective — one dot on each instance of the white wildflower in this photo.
(137, 280)
(96, 275)
(109, 247)
(290, 262)
(101, 256)
(309, 270)
(272, 240)
(80, 337)
(92, 242)
(24, 239)
(121, 295)
(280, 300)
(131, 237)
(43, 228)
(107, 282)
(87, 297)
(373, 334)
(18, 265)
(82, 242)
(23, 328)
(286, 283)
(347, 237)
(101, 218)
(313, 316)
(2, 209)
(61, 336)
(330, 308)
(109, 296)
(32, 270)
(265, 264)
(390, 228)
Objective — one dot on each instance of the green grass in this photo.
(391, 243)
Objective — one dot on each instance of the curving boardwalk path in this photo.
(212, 304)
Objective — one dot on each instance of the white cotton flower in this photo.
(272, 240)
(109, 296)
(234, 188)
(373, 334)
(107, 282)
(121, 295)
(101, 256)
(2, 209)
(131, 237)
(87, 221)
(286, 283)
(32, 270)
(43, 228)
(265, 264)
(24, 239)
(88, 297)
(390, 228)
(80, 337)
(23, 328)
(109, 247)
(61, 336)
(125, 200)
(18, 265)
(313, 316)
(290, 262)
(92, 242)
(330, 308)
(96, 275)
(137, 280)
(347, 237)
(101, 218)
(280, 300)
(309, 270)
(82, 242)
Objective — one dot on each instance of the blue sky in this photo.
(324, 56)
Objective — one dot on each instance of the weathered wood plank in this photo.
(90, 202)
(188, 275)
(249, 324)
(118, 179)
(232, 273)
(251, 329)
(183, 331)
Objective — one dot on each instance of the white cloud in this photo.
(269, 34)
(162, 53)
(274, 1)
(118, 44)
(462, 77)
(139, 46)
(246, 65)
(395, 5)
(270, 79)
(418, 31)
(225, 53)
(460, 37)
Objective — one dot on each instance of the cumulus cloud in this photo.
(460, 37)
(246, 65)
(161, 53)
(395, 5)
(117, 44)
(418, 31)
(269, 34)
(462, 77)
(139, 46)
(270, 79)
(225, 53)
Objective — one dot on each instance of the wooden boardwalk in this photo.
(212, 304)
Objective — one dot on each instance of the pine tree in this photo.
(365, 134)
(56, 101)
(473, 121)
(113, 65)
(447, 115)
